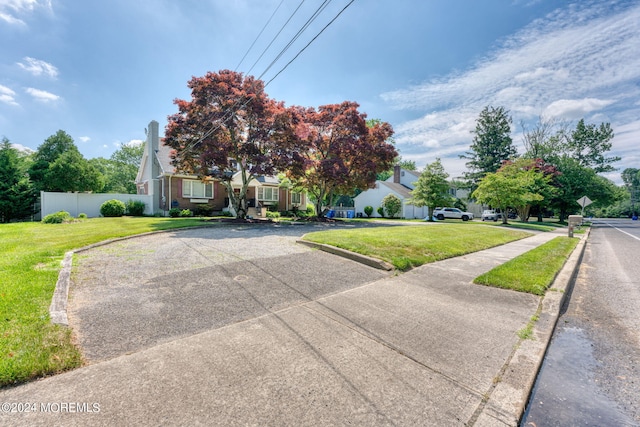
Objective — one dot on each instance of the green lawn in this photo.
(533, 271)
(30, 346)
(410, 246)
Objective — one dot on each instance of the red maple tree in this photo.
(231, 127)
(338, 152)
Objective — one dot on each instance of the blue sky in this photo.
(101, 70)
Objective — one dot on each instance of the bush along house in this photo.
(169, 189)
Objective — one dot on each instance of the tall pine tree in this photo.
(491, 146)
(16, 192)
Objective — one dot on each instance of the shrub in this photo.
(273, 214)
(392, 205)
(82, 216)
(112, 208)
(185, 213)
(174, 212)
(135, 207)
(368, 210)
(381, 211)
(203, 210)
(311, 210)
(57, 218)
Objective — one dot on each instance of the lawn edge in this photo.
(509, 399)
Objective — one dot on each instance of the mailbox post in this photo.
(573, 221)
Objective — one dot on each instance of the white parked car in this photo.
(452, 213)
(491, 215)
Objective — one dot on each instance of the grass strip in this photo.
(410, 246)
(30, 346)
(533, 271)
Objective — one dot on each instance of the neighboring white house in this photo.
(399, 184)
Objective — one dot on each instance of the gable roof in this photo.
(403, 191)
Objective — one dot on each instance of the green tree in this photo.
(491, 146)
(392, 205)
(534, 184)
(588, 144)
(631, 178)
(576, 181)
(432, 188)
(47, 153)
(72, 172)
(120, 169)
(511, 186)
(17, 195)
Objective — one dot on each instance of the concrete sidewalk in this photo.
(426, 347)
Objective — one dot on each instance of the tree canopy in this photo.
(17, 195)
(432, 188)
(59, 166)
(515, 184)
(230, 126)
(338, 152)
(491, 145)
(120, 170)
(588, 144)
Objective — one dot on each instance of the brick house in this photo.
(157, 177)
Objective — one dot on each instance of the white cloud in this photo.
(10, 19)
(7, 96)
(42, 95)
(577, 60)
(574, 108)
(84, 139)
(22, 148)
(10, 8)
(38, 67)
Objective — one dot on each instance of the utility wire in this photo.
(276, 36)
(302, 29)
(308, 44)
(259, 34)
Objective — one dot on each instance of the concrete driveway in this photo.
(241, 326)
(140, 292)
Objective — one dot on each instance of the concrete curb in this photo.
(507, 402)
(363, 259)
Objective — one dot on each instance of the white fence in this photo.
(87, 203)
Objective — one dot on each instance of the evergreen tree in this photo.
(16, 192)
(491, 146)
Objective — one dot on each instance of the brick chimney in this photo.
(396, 174)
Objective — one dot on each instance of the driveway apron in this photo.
(140, 292)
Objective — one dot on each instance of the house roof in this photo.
(164, 158)
(403, 191)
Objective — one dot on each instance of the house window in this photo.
(197, 189)
(296, 198)
(268, 194)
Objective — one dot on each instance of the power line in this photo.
(259, 34)
(308, 44)
(306, 25)
(289, 44)
(276, 36)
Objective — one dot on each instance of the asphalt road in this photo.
(591, 373)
